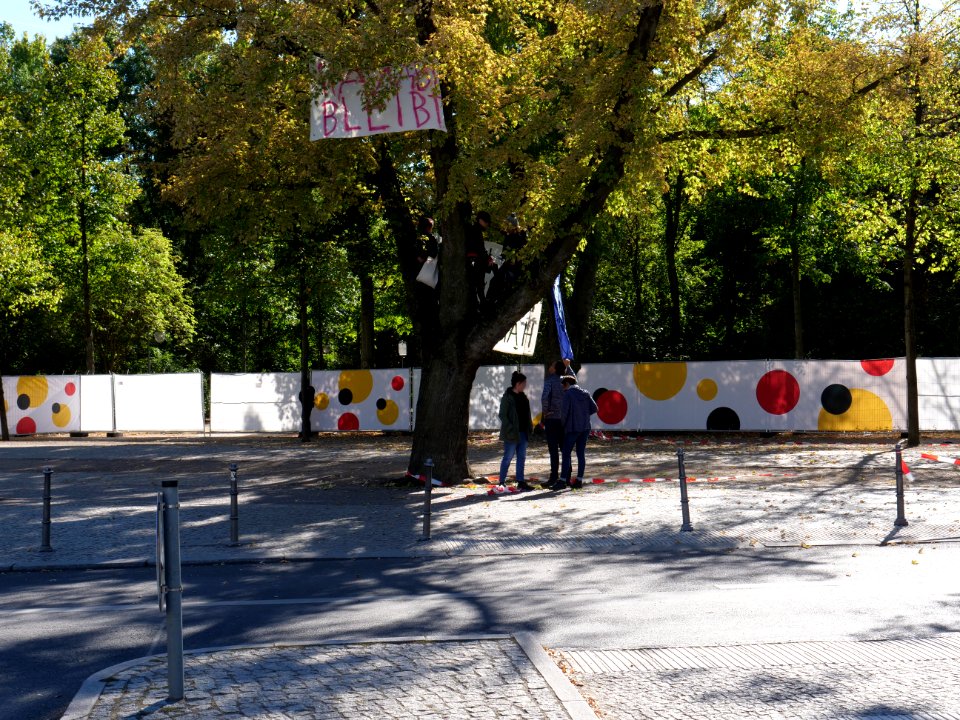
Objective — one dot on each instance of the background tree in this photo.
(905, 177)
(26, 281)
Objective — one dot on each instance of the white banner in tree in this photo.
(522, 337)
(338, 112)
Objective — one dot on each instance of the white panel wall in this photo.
(254, 402)
(938, 387)
(758, 395)
(488, 387)
(159, 403)
(344, 400)
(96, 403)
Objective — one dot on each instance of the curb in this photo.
(92, 688)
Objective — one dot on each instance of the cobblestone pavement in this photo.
(479, 678)
(911, 680)
(340, 498)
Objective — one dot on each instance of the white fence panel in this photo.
(254, 402)
(159, 403)
(96, 403)
(938, 387)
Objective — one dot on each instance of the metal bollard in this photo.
(427, 491)
(684, 502)
(45, 533)
(901, 520)
(173, 588)
(234, 507)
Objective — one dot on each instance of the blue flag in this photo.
(565, 350)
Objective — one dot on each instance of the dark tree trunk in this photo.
(793, 233)
(4, 428)
(909, 251)
(551, 343)
(366, 320)
(909, 318)
(673, 201)
(584, 293)
(306, 389)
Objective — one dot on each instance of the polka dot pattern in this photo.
(42, 404)
(352, 400)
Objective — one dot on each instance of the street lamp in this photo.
(402, 350)
(158, 337)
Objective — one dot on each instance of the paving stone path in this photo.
(339, 498)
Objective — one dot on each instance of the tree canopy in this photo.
(705, 176)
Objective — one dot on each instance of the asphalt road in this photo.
(56, 628)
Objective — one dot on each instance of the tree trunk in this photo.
(584, 292)
(673, 201)
(4, 427)
(85, 252)
(366, 320)
(909, 251)
(909, 318)
(306, 389)
(550, 347)
(793, 233)
(443, 415)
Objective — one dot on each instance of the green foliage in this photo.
(137, 293)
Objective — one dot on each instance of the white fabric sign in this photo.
(338, 112)
(522, 337)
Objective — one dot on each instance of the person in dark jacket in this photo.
(516, 424)
(575, 411)
(551, 401)
(479, 262)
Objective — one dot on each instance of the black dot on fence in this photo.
(836, 399)
(723, 418)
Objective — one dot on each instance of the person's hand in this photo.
(566, 362)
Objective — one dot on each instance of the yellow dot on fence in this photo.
(660, 381)
(61, 418)
(706, 389)
(867, 412)
(389, 414)
(358, 382)
(321, 401)
(34, 387)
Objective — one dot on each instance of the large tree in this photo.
(902, 172)
(548, 108)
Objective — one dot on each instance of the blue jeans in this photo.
(510, 449)
(571, 439)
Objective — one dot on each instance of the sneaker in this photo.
(524, 486)
(558, 485)
(576, 484)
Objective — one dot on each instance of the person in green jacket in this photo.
(516, 425)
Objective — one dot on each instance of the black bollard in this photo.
(45, 533)
(234, 507)
(172, 587)
(427, 491)
(901, 520)
(684, 502)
